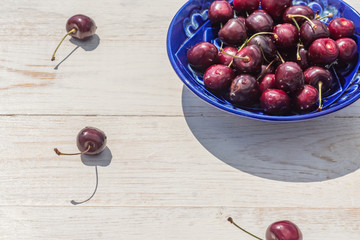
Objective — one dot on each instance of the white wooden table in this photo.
(179, 167)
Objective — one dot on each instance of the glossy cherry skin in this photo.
(283, 230)
(233, 32)
(289, 77)
(307, 99)
(275, 102)
(298, 10)
(267, 82)
(287, 36)
(243, 6)
(303, 62)
(341, 27)
(217, 78)
(323, 51)
(93, 137)
(225, 59)
(254, 62)
(85, 27)
(309, 34)
(259, 21)
(275, 8)
(347, 49)
(220, 12)
(266, 44)
(202, 55)
(244, 90)
(314, 75)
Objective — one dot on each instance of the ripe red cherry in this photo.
(267, 82)
(298, 10)
(306, 100)
(202, 56)
(323, 51)
(244, 90)
(309, 33)
(275, 102)
(217, 78)
(251, 60)
(259, 21)
(347, 49)
(289, 77)
(286, 36)
(314, 75)
(220, 12)
(233, 32)
(90, 141)
(275, 8)
(78, 26)
(226, 55)
(243, 6)
(283, 230)
(266, 44)
(341, 27)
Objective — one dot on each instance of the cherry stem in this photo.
(298, 57)
(326, 16)
(281, 58)
(232, 221)
(317, 14)
(60, 153)
(242, 58)
(267, 67)
(320, 98)
(296, 24)
(70, 32)
(313, 25)
(257, 34)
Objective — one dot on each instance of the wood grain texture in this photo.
(175, 167)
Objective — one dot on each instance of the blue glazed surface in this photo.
(191, 25)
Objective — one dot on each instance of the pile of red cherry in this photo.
(279, 55)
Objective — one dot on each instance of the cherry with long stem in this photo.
(67, 34)
(70, 154)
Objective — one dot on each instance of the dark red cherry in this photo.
(202, 56)
(275, 8)
(233, 32)
(244, 90)
(90, 141)
(78, 26)
(306, 100)
(266, 44)
(303, 61)
(266, 70)
(251, 62)
(287, 36)
(225, 56)
(309, 33)
(267, 82)
(220, 12)
(347, 49)
(241, 19)
(298, 10)
(259, 21)
(323, 51)
(314, 75)
(217, 78)
(275, 102)
(283, 230)
(289, 77)
(243, 6)
(341, 27)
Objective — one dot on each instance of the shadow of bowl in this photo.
(103, 159)
(311, 151)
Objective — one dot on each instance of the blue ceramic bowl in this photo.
(191, 25)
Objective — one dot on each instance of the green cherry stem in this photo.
(281, 58)
(232, 221)
(313, 25)
(242, 58)
(70, 32)
(329, 15)
(60, 153)
(298, 57)
(320, 98)
(257, 34)
(296, 24)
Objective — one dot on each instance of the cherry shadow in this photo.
(309, 151)
(89, 44)
(103, 159)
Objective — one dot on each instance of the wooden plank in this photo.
(172, 161)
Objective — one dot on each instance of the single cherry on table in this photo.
(80, 27)
(90, 141)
